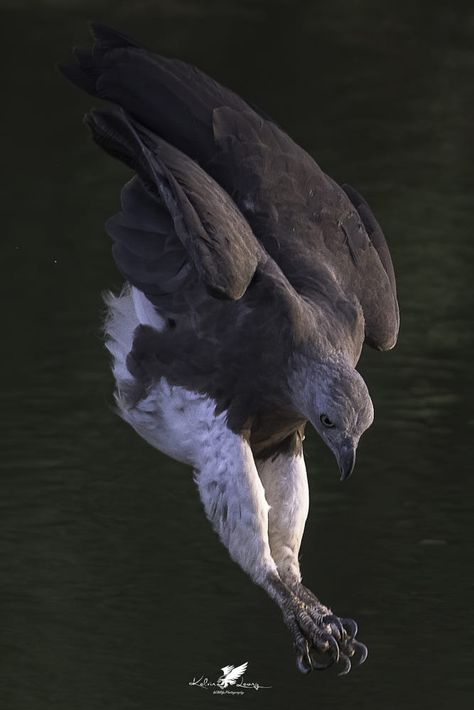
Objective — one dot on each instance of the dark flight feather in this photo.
(216, 238)
(324, 239)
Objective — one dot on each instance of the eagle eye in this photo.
(326, 421)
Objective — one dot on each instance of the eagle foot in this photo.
(321, 639)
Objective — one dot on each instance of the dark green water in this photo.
(114, 592)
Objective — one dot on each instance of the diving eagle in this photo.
(252, 281)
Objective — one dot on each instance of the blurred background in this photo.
(114, 590)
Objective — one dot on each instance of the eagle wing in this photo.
(324, 238)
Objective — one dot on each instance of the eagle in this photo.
(252, 280)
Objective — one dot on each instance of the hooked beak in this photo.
(346, 459)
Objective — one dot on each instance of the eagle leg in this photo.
(235, 502)
(316, 630)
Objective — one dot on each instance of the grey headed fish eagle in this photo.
(252, 281)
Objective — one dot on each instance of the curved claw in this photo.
(302, 664)
(335, 622)
(364, 651)
(350, 627)
(333, 644)
(347, 665)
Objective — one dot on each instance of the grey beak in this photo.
(346, 460)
